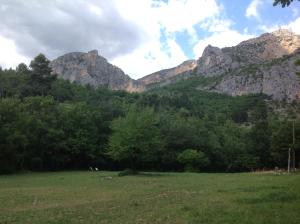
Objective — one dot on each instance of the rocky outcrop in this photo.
(214, 61)
(234, 63)
(258, 65)
(167, 74)
(269, 46)
(90, 68)
(276, 79)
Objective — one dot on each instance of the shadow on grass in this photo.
(279, 197)
(147, 174)
(136, 173)
(252, 189)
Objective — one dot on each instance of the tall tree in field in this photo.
(136, 139)
(22, 69)
(41, 77)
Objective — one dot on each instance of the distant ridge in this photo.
(250, 67)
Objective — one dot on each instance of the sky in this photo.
(139, 36)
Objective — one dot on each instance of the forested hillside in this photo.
(51, 124)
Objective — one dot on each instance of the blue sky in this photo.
(139, 36)
(267, 19)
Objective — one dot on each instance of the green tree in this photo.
(297, 63)
(136, 138)
(283, 3)
(22, 69)
(193, 160)
(40, 76)
(260, 142)
(13, 140)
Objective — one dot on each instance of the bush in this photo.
(127, 172)
(193, 160)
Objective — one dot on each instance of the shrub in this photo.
(127, 172)
(193, 160)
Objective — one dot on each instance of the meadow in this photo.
(104, 197)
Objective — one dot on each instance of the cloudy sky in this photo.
(139, 36)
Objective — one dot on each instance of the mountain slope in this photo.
(269, 46)
(167, 74)
(276, 79)
(265, 64)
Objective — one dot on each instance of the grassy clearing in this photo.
(92, 197)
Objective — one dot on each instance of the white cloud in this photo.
(295, 12)
(155, 18)
(138, 36)
(180, 15)
(252, 10)
(154, 24)
(294, 26)
(57, 27)
(225, 38)
(9, 57)
(269, 29)
(150, 58)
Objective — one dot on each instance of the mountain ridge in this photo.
(91, 68)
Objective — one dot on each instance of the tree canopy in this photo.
(283, 3)
(53, 124)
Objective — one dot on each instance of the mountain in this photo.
(93, 69)
(269, 46)
(265, 64)
(168, 74)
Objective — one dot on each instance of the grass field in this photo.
(94, 197)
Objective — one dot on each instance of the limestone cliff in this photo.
(166, 74)
(260, 65)
(90, 68)
(269, 46)
(276, 79)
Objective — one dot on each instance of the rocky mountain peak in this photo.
(215, 61)
(93, 69)
(273, 45)
(93, 53)
(213, 58)
(283, 32)
(257, 65)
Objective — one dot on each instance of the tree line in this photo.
(51, 124)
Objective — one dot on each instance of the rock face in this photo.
(277, 79)
(166, 74)
(247, 68)
(258, 65)
(269, 46)
(265, 64)
(90, 68)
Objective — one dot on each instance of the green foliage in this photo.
(297, 63)
(53, 124)
(127, 172)
(40, 75)
(136, 138)
(22, 69)
(283, 3)
(193, 159)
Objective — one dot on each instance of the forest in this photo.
(50, 124)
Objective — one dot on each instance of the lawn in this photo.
(103, 197)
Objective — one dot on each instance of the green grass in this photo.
(91, 197)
